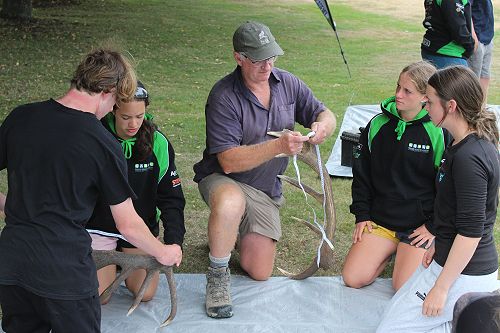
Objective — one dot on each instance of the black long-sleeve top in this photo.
(157, 185)
(448, 24)
(466, 202)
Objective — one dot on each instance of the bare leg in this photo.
(408, 258)
(136, 278)
(366, 260)
(485, 82)
(227, 205)
(257, 254)
(106, 276)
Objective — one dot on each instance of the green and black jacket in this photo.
(448, 24)
(394, 169)
(158, 188)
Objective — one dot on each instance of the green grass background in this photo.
(181, 48)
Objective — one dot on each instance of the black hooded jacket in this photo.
(394, 169)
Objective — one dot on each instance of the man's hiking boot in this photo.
(218, 299)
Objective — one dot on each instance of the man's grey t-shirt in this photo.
(235, 117)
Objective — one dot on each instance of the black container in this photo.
(349, 142)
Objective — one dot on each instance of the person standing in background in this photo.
(483, 24)
(448, 38)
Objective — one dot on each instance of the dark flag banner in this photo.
(323, 6)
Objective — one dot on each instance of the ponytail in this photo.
(486, 125)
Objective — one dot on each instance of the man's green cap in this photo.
(256, 41)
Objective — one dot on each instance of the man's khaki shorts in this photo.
(261, 212)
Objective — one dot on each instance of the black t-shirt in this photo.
(58, 161)
(466, 202)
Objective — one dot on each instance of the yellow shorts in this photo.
(382, 232)
(395, 236)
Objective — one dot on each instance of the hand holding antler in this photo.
(291, 143)
(172, 255)
(323, 127)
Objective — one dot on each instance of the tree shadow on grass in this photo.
(54, 3)
(42, 25)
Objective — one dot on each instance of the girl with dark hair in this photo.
(153, 177)
(463, 258)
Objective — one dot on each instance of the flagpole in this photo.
(325, 9)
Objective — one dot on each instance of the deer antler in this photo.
(129, 263)
(308, 156)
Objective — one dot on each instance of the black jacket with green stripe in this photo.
(448, 24)
(157, 185)
(394, 169)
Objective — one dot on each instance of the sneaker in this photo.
(218, 299)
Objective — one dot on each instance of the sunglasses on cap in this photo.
(141, 93)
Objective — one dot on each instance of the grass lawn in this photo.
(181, 48)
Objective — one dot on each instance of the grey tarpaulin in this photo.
(317, 304)
(357, 116)
(314, 305)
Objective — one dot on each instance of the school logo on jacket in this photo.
(440, 176)
(419, 148)
(441, 172)
(143, 167)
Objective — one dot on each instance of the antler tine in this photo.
(316, 195)
(108, 292)
(142, 291)
(173, 294)
(307, 224)
(309, 271)
(129, 263)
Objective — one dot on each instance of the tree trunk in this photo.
(16, 9)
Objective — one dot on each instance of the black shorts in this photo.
(25, 312)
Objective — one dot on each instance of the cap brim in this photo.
(265, 52)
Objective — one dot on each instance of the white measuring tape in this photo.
(321, 228)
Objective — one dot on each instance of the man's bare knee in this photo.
(256, 271)
(227, 200)
(259, 275)
(257, 256)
